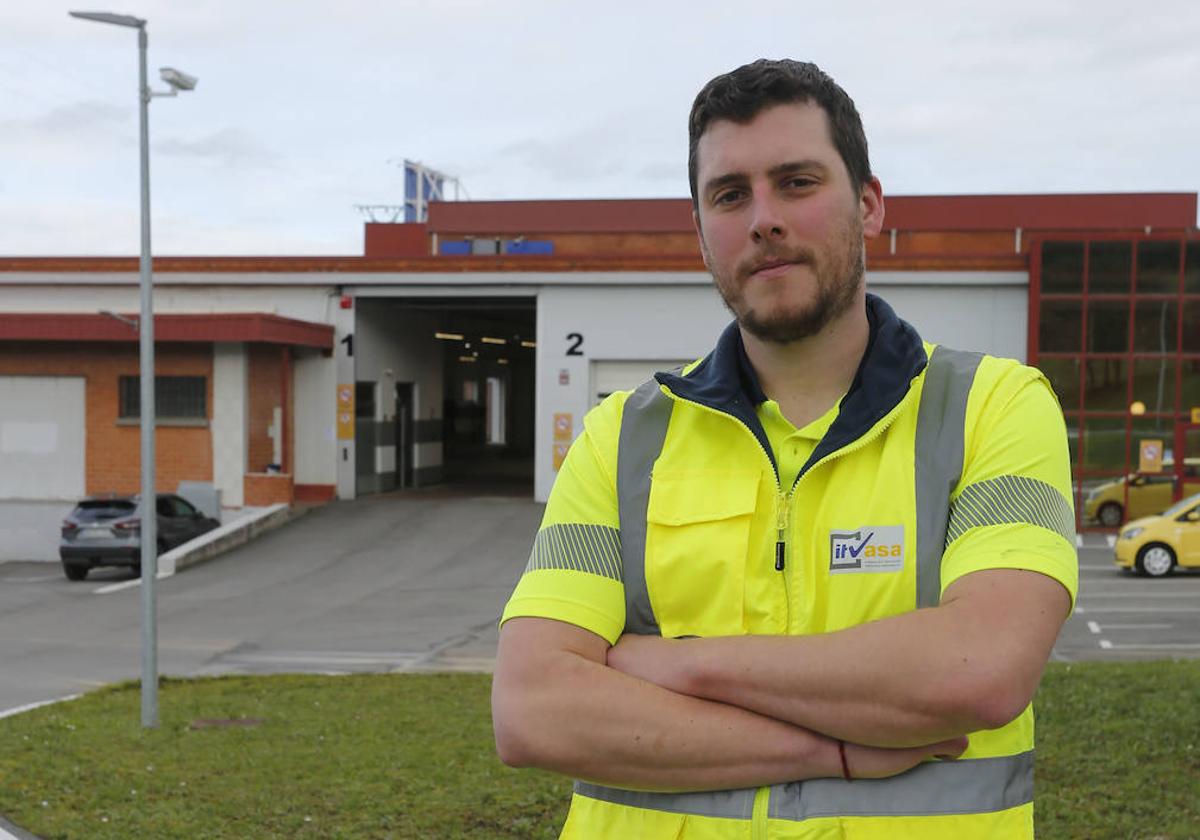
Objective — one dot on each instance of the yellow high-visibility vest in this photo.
(668, 518)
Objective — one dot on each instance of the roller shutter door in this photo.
(625, 375)
(42, 422)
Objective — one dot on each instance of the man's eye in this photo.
(727, 197)
(800, 182)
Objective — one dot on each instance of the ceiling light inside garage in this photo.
(448, 336)
(487, 339)
(529, 344)
(502, 361)
(466, 358)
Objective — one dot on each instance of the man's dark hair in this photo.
(741, 94)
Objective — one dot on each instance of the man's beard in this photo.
(836, 288)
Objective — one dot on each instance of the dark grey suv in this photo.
(108, 532)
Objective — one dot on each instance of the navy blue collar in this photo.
(726, 381)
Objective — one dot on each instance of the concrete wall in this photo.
(392, 345)
(315, 436)
(229, 421)
(654, 322)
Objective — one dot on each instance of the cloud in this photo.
(68, 123)
(229, 147)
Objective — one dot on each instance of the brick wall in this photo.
(112, 450)
(264, 391)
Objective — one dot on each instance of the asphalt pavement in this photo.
(403, 581)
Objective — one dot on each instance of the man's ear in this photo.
(700, 237)
(871, 205)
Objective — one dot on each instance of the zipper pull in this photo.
(781, 524)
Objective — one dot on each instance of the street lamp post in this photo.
(149, 531)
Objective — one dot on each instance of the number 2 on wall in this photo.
(576, 344)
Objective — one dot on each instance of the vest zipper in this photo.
(782, 510)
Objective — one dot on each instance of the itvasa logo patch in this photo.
(871, 548)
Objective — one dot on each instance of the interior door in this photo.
(404, 434)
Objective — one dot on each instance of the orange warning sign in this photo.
(345, 412)
(563, 425)
(560, 455)
(1150, 456)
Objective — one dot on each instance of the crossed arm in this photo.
(749, 710)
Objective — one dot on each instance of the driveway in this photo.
(404, 581)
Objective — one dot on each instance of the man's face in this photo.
(780, 224)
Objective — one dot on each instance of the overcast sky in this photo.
(305, 108)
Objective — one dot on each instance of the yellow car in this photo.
(1155, 545)
(1148, 495)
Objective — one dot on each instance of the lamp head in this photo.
(109, 17)
(177, 78)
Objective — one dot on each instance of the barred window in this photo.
(175, 397)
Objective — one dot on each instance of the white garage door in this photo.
(41, 437)
(625, 375)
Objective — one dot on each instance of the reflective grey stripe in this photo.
(1011, 499)
(731, 804)
(967, 786)
(970, 786)
(643, 429)
(939, 459)
(583, 548)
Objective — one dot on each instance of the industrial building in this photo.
(466, 349)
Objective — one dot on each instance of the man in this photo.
(806, 587)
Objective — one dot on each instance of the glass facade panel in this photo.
(1108, 326)
(1061, 329)
(1104, 444)
(1190, 394)
(1073, 438)
(1158, 267)
(1154, 384)
(1156, 326)
(1062, 268)
(1151, 428)
(1064, 378)
(1105, 385)
(1191, 325)
(1110, 267)
(1191, 268)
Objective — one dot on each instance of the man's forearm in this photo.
(910, 679)
(562, 710)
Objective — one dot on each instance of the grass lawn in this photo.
(410, 756)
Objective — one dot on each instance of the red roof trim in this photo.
(1085, 211)
(251, 327)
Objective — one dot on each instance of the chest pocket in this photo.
(697, 543)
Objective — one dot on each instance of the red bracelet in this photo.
(845, 766)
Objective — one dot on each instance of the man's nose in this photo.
(766, 221)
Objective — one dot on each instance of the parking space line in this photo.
(1094, 627)
(1137, 626)
(1105, 644)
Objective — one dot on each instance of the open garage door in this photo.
(625, 375)
(42, 421)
